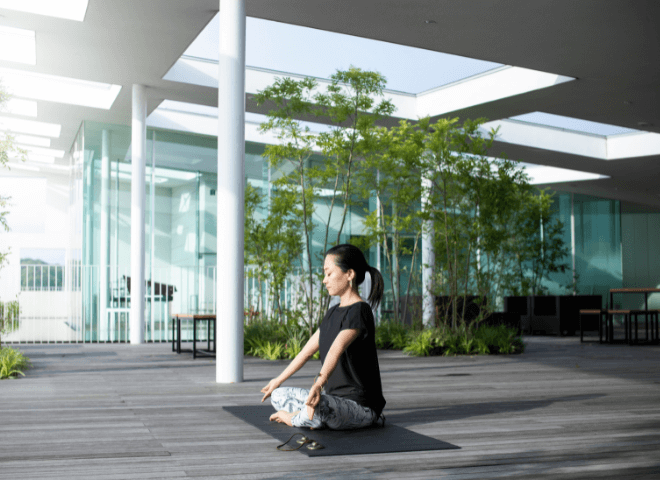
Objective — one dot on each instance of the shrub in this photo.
(12, 362)
(272, 350)
(420, 343)
(273, 340)
(392, 335)
(447, 340)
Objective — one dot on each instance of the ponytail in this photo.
(377, 287)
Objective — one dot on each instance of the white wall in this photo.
(38, 219)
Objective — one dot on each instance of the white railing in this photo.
(42, 278)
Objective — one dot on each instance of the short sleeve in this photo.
(354, 319)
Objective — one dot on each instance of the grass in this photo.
(12, 363)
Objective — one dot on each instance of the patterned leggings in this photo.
(332, 412)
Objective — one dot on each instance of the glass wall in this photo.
(181, 226)
(172, 227)
(597, 244)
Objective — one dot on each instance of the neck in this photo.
(349, 297)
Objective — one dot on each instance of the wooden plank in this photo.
(560, 410)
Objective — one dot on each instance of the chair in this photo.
(609, 324)
(601, 312)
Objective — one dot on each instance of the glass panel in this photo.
(597, 245)
(560, 283)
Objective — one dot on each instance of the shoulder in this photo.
(359, 312)
(362, 308)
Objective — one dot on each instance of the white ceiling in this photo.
(612, 47)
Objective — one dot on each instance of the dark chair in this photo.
(586, 322)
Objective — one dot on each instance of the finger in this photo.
(310, 413)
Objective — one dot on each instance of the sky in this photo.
(320, 53)
(271, 45)
(574, 124)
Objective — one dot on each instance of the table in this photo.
(636, 312)
(195, 317)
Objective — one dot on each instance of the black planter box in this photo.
(551, 314)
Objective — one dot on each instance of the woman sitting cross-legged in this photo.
(353, 396)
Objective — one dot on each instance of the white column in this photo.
(428, 261)
(138, 160)
(573, 240)
(104, 267)
(230, 192)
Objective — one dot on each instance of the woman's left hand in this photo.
(313, 400)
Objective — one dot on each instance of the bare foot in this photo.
(283, 417)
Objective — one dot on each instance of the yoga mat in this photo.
(376, 439)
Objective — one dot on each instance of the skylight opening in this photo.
(22, 166)
(48, 152)
(30, 140)
(19, 106)
(68, 9)
(318, 53)
(573, 124)
(542, 174)
(30, 127)
(35, 157)
(18, 45)
(58, 89)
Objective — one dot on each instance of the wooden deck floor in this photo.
(561, 410)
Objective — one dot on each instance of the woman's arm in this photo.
(338, 347)
(310, 348)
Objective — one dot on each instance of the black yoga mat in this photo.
(376, 439)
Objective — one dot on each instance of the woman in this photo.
(353, 396)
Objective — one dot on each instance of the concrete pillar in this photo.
(428, 261)
(230, 192)
(104, 267)
(138, 160)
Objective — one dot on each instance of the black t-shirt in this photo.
(357, 376)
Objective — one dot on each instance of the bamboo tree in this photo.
(397, 187)
(350, 107)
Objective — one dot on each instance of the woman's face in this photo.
(336, 281)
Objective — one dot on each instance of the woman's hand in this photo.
(313, 400)
(268, 389)
(283, 417)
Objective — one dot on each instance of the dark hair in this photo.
(349, 257)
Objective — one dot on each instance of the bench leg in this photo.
(194, 338)
(173, 336)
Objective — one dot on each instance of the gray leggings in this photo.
(332, 412)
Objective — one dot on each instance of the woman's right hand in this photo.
(268, 389)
